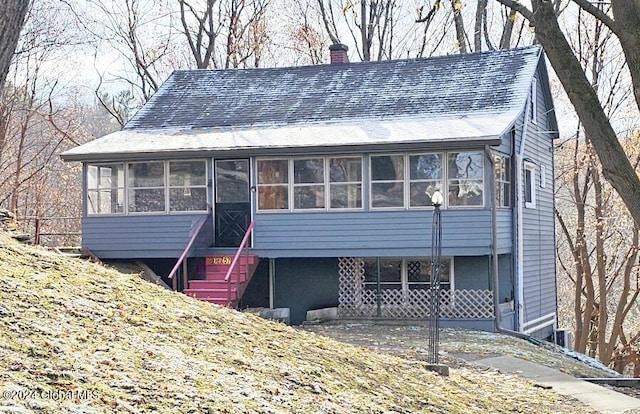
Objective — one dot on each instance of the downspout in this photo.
(520, 205)
(494, 254)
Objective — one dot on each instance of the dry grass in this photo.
(77, 337)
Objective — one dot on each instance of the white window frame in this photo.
(448, 180)
(166, 187)
(169, 186)
(409, 181)
(129, 188)
(288, 185)
(291, 185)
(501, 182)
(529, 167)
(329, 183)
(404, 181)
(98, 188)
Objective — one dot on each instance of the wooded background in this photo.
(74, 70)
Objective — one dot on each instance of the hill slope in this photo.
(76, 337)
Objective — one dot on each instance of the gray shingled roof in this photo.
(469, 98)
(451, 85)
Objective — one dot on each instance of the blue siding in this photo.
(370, 234)
(140, 236)
(538, 259)
(504, 219)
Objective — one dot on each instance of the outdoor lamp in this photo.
(437, 199)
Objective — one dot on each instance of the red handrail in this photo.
(236, 258)
(184, 254)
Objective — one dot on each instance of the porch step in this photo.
(220, 275)
(210, 284)
(224, 268)
(211, 272)
(212, 295)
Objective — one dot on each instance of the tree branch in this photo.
(587, 6)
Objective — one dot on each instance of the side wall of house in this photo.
(371, 234)
(141, 236)
(538, 225)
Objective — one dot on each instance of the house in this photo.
(324, 174)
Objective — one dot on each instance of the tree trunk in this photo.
(627, 29)
(616, 166)
(601, 266)
(456, 5)
(481, 11)
(12, 15)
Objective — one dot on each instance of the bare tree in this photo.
(597, 243)
(202, 35)
(12, 15)
(624, 23)
(307, 36)
(225, 33)
(370, 23)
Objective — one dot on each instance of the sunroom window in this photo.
(187, 186)
(502, 167)
(146, 187)
(466, 178)
(425, 178)
(345, 182)
(308, 184)
(387, 180)
(105, 189)
(273, 184)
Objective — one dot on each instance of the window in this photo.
(273, 184)
(390, 274)
(308, 184)
(105, 189)
(345, 182)
(387, 181)
(466, 178)
(405, 274)
(314, 183)
(419, 274)
(146, 186)
(150, 187)
(425, 178)
(232, 181)
(529, 185)
(187, 186)
(502, 168)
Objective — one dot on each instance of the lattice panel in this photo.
(352, 297)
(466, 303)
(356, 301)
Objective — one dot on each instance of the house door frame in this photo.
(232, 210)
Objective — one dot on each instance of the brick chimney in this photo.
(339, 53)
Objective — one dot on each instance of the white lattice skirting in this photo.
(356, 301)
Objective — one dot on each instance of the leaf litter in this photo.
(77, 337)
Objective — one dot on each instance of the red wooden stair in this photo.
(211, 285)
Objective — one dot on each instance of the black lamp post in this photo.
(434, 283)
